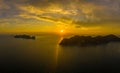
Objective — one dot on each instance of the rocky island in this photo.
(24, 36)
(89, 40)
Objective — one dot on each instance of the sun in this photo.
(61, 31)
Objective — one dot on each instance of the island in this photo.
(89, 40)
(24, 36)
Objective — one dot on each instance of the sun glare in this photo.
(62, 31)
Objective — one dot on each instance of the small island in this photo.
(24, 36)
(89, 40)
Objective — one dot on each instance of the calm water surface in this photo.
(45, 55)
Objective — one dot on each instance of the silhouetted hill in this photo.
(89, 40)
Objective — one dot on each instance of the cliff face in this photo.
(89, 40)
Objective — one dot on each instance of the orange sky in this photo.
(72, 16)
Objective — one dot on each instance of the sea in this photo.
(45, 55)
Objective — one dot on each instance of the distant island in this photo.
(24, 36)
(89, 40)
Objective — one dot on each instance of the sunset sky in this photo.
(72, 16)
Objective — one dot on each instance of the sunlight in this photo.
(62, 31)
(57, 52)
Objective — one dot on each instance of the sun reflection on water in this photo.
(57, 52)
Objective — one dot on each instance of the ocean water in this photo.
(45, 55)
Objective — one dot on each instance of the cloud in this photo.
(77, 12)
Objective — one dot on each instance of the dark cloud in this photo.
(77, 11)
(87, 9)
